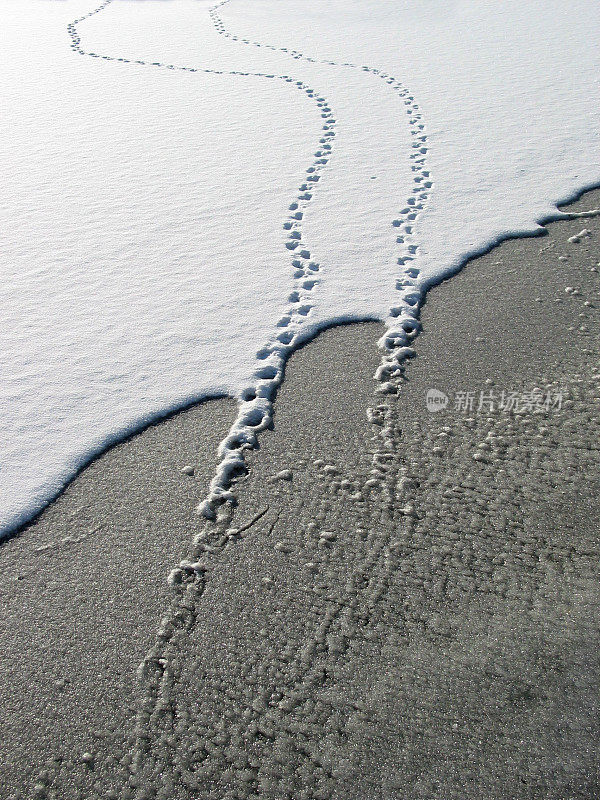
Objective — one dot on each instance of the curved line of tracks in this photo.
(256, 400)
(255, 410)
(159, 673)
(403, 324)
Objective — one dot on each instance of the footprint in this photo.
(266, 373)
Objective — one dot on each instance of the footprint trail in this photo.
(256, 399)
(403, 321)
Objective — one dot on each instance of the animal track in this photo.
(256, 401)
(276, 351)
(403, 324)
(411, 295)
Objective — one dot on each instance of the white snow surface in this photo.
(144, 261)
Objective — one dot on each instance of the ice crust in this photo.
(154, 155)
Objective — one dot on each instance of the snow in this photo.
(144, 260)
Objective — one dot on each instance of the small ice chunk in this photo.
(583, 234)
(284, 475)
(328, 536)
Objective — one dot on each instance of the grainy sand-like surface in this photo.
(400, 608)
